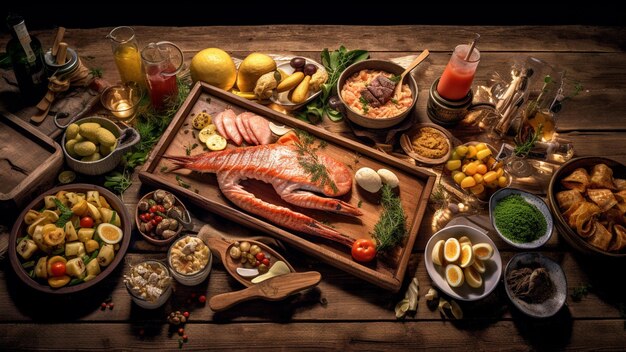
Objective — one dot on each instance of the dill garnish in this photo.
(182, 183)
(309, 160)
(390, 229)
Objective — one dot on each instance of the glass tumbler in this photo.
(456, 80)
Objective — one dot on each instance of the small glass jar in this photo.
(154, 303)
(189, 260)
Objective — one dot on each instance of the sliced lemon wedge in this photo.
(216, 142)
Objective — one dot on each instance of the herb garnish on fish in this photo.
(309, 161)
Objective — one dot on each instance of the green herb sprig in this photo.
(309, 160)
(66, 213)
(525, 148)
(390, 230)
(335, 63)
(364, 104)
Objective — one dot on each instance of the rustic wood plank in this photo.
(376, 38)
(507, 335)
(348, 298)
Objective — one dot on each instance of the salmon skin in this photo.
(279, 165)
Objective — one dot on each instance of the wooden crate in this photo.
(415, 189)
(29, 163)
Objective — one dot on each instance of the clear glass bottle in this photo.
(27, 59)
(127, 55)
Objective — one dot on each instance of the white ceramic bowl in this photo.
(531, 199)
(493, 266)
(553, 304)
(189, 279)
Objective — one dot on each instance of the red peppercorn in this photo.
(103, 306)
(186, 314)
(181, 331)
(202, 299)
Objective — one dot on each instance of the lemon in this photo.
(215, 67)
(479, 266)
(252, 67)
(201, 120)
(483, 251)
(467, 255)
(204, 134)
(472, 277)
(454, 275)
(437, 253)
(216, 142)
(451, 250)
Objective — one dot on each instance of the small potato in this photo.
(93, 157)
(85, 148)
(105, 137)
(89, 130)
(72, 131)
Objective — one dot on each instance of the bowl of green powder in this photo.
(522, 219)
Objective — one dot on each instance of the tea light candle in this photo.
(122, 109)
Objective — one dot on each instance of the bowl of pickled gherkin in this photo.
(69, 238)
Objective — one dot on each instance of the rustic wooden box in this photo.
(29, 163)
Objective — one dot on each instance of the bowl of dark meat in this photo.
(367, 91)
(159, 217)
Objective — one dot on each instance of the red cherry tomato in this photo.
(266, 262)
(86, 221)
(154, 208)
(260, 256)
(57, 269)
(363, 250)
(202, 299)
(158, 218)
(161, 208)
(154, 222)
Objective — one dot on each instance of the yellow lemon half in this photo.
(454, 275)
(437, 254)
(215, 67)
(252, 67)
(467, 255)
(451, 250)
(472, 277)
(483, 251)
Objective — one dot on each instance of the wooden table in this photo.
(344, 312)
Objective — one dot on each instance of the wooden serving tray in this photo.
(415, 187)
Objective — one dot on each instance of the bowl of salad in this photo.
(69, 238)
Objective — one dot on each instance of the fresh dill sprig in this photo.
(309, 160)
(390, 229)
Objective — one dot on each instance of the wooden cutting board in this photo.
(415, 187)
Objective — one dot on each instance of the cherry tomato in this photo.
(86, 221)
(154, 208)
(202, 299)
(186, 314)
(57, 269)
(260, 256)
(266, 262)
(161, 208)
(158, 218)
(154, 222)
(363, 250)
(181, 331)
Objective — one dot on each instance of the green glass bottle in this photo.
(27, 59)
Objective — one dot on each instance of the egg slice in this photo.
(467, 255)
(451, 250)
(483, 251)
(472, 277)
(479, 266)
(454, 275)
(464, 239)
(109, 233)
(437, 253)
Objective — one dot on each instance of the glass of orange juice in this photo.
(127, 55)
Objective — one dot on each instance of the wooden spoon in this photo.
(413, 64)
(273, 289)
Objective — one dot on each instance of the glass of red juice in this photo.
(456, 80)
(162, 61)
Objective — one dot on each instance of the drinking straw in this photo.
(471, 49)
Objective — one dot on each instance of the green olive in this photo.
(263, 268)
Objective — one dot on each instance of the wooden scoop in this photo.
(413, 64)
(273, 289)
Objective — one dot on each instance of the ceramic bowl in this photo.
(126, 139)
(554, 303)
(531, 199)
(577, 242)
(153, 240)
(493, 266)
(193, 278)
(382, 65)
(20, 227)
(407, 146)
